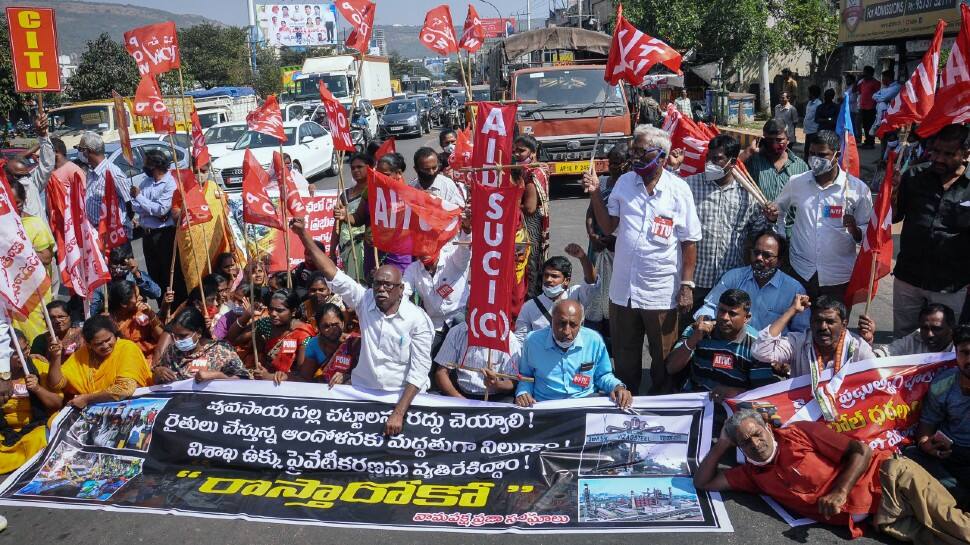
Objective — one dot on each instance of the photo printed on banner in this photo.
(122, 425)
(75, 474)
(638, 500)
(634, 445)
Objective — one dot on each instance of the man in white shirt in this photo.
(426, 167)
(397, 335)
(35, 181)
(652, 213)
(557, 274)
(442, 284)
(830, 205)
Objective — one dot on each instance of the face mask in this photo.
(185, 345)
(563, 344)
(712, 172)
(553, 292)
(763, 273)
(819, 165)
(236, 309)
(82, 158)
(426, 178)
(648, 170)
(450, 148)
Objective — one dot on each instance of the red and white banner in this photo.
(195, 209)
(406, 220)
(633, 53)
(877, 244)
(388, 146)
(916, 98)
(494, 132)
(148, 99)
(267, 119)
(438, 33)
(473, 34)
(79, 257)
(200, 151)
(23, 277)
(360, 15)
(111, 225)
(257, 208)
(495, 214)
(121, 121)
(284, 181)
(690, 136)
(337, 118)
(952, 102)
(155, 48)
(318, 218)
(498, 28)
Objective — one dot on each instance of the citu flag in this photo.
(438, 32)
(155, 48)
(473, 33)
(289, 194)
(23, 277)
(111, 225)
(360, 15)
(849, 157)
(633, 53)
(916, 98)
(257, 208)
(690, 136)
(79, 255)
(195, 208)
(387, 146)
(200, 151)
(877, 244)
(952, 102)
(267, 119)
(337, 119)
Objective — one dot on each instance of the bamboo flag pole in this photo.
(50, 324)
(464, 79)
(599, 133)
(286, 219)
(252, 296)
(178, 224)
(341, 186)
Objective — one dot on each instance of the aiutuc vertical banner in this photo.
(33, 49)
(299, 453)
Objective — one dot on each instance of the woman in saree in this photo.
(23, 428)
(136, 321)
(193, 353)
(64, 328)
(280, 337)
(106, 368)
(330, 355)
(535, 207)
(353, 255)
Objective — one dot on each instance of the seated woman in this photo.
(193, 353)
(23, 428)
(66, 331)
(318, 294)
(330, 355)
(279, 337)
(135, 320)
(106, 368)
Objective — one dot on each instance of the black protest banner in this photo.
(300, 453)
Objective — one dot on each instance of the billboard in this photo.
(298, 25)
(888, 20)
(498, 28)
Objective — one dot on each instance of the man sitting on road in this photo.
(567, 361)
(557, 274)
(825, 475)
(935, 333)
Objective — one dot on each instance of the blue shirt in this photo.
(767, 303)
(154, 201)
(579, 371)
(947, 408)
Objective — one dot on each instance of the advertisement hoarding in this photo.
(298, 25)
(875, 20)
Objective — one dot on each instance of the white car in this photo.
(221, 138)
(308, 144)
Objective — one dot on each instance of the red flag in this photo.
(690, 136)
(148, 99)
(633, 53)
(79, 257)
(438, 33)
(494, 219)
(406, 220)
(195, 209)
(121, 121)
(494, 132)
(952, 103)
(473, 35)
(200, 152)
(337, 118)
(462, 158)
(360, 15)
(916, 98)
(877, 244)
(387, 146)
(291, 195)
(164, 124)
(23, 277)
(155, 48)
(257, 208)
(267, 119)
(111, 226)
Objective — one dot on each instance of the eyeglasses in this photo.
(766, 255)
(643, 152)
(385, 286)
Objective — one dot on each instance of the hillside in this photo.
(78, 22)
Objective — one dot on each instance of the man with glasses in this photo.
(91, 153)
(397, 334)
(771, 164)
(652, 213)
(771, 290)
(730, 217)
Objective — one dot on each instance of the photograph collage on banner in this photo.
(308, 24)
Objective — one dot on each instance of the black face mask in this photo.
(426, 178)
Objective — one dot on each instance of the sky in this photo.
(407, 12)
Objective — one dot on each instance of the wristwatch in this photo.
(689, 283)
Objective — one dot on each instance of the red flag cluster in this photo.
(360, 15)
(952, 101)
(877, 243)
(438, 33)
(633, 53)
(690, 136)
(79, 255)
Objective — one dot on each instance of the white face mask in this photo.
(553, 292)
(712, 172)
(819, 165)
(563, 344)
(186, 345)
(450, 148)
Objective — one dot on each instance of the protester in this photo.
(353, 257)
(602, 246)
(227, 266)
(42, 240)
(770, 288)
(827, 344)
(318, 294)
(441, 282)
(91, 152)
(136, 321)
(280, 337)
(23, 426)
(789, 85)
(304, 271)
(256, 271)
(68, 334)
(883, 97)
(935, 333)
(464, 371)
(193, 353)
(430, 180)
(557, 274)
(852, 94)
(811, 123)
(718, 353)
(866, 87)
(331, 355)
(787, 116)
(396, 353)
(123, 266)
(152, 201)
(567, 361)
(730, 217)
(830, 206)
(826, 116)
(650, 112)
(943, 434)
(773, 164)
(535, 206)
(933, 264)
(827, 476)
(447, 139)
(34, 182)
(106, 368)
(652, 213)
(682, 103)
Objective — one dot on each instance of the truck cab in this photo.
(71, 121)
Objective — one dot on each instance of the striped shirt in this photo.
(718, 362)
(729, 216)
(94, 196)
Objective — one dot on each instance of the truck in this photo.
(563, 102)
(223, 104)
(71, 121)
(339, 72)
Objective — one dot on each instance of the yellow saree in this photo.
(126, 361)
(18, 412)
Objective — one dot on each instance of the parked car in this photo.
(221, 138)
(308, 143)
(425, 105)
(404, 117)
(113, 154)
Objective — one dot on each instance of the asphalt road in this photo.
(754, 522)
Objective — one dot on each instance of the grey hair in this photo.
(654, 137)
(561, 302)
(734, 422)
(93, 142)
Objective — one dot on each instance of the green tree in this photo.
(453, 70)
(104, 67)
(813, 25)
(267, 79)
(214, 55)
